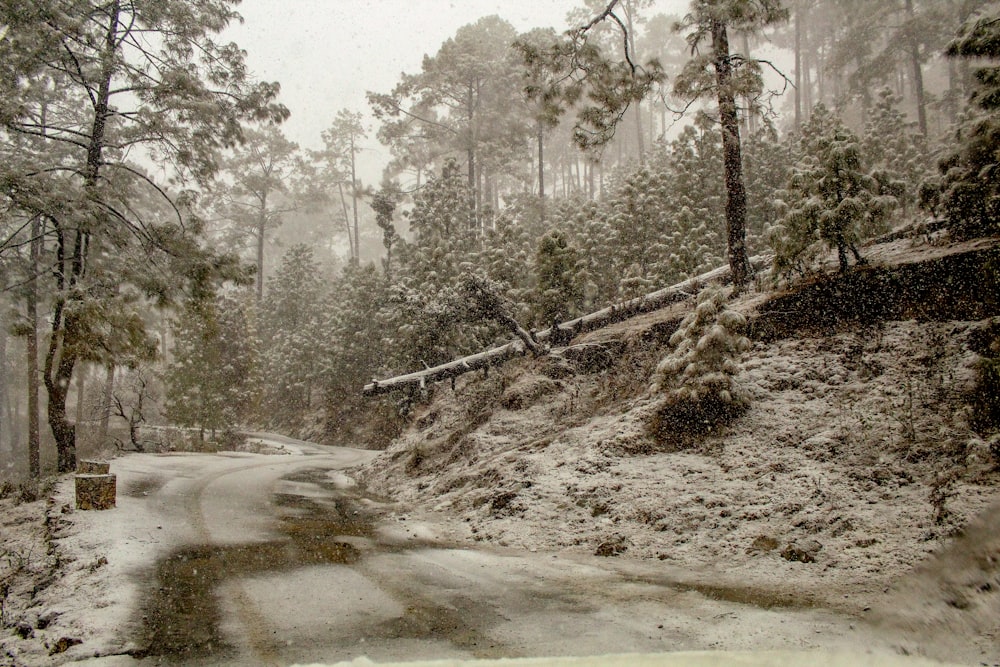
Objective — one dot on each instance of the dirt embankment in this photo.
(856, 461)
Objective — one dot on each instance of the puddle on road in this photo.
(762, 598)
(745, 595)
(144, 486)
(181, 619)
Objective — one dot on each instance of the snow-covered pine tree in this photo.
(832, 200)
(697, 378)
(558, 293)
(896, 148)
(969, 191)
(293, 338)
(213, 377)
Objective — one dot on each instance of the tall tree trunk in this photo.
(109, 396)
(820, 76)
(81, 387)
(807, 92)
(34, 459)
(58, 369)
(6, 448)
(540, 134)
(64, 343)
(798, 64)
(913, 47)
(347, 223)
(736, 198)
(630, 35)
(480, 222)
(750, 115)
(261, 229)
(640, 140)
(354, 198)
(471, 157)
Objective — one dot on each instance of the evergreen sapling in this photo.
(697, 379)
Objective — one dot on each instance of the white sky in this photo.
(328, 53)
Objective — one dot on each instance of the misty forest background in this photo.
(169, 258)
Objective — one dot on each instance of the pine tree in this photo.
(697, 378)
(895, 148)
(558, 293)
(213, 377)
(718, 74)
(292, 335)
(360, 331)
(969, 191)
(831, 199)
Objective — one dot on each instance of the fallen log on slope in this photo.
(561, 333)
(452, 369)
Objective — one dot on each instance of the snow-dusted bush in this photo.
(697, 379)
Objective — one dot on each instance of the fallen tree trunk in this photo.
(452, 369)
(560, 333)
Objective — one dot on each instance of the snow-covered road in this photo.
(237, 558)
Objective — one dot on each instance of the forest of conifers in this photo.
(169, 257)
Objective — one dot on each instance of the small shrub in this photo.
(229, 440)
(697, 377)
(28, 492)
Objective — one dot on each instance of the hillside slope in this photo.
(855, 461)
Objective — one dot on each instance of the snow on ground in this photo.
(82, 565)
(854, 464)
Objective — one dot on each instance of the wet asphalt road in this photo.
(282, 560)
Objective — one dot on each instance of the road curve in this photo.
(279, 559)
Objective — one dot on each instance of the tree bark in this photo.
(347, 223)
(541, 170)
(81, 388)
(354, 198)
(736, 198)
(58, 373)
(798, 65)
(750, 119)
(917, 72)
(630, 35)
(471, 158)
(34, 460)
(109, 389)
(261, 229)
(6, 446)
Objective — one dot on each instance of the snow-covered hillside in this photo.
(854, 462)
